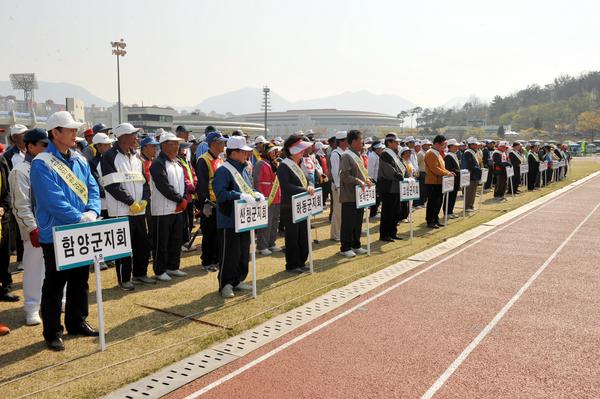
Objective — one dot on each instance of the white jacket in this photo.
(20, 195)
(166, 180)
(117, 170)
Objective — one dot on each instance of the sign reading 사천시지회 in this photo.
(78, 245)
(305, 205)
(365, 198)
(250, 216)
(409, 190)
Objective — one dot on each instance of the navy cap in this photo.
(100, 127)
(182, 129)
(35, 135)
(148, 141)
(216, 135)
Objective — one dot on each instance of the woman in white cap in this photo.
(452, 164)
(293, 181)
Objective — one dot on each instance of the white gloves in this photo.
(207, 210)
(248, 198)
(89, 216)
(259, 197)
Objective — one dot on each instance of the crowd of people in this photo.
(166, 182)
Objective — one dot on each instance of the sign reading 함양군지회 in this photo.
(409, 190)
(305, 205)
(365, 198)
(77, 245)
(250, 216)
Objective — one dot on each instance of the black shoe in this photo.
(432, 226)
(56, 344)
(305, 269)
(387, 239)
(8, 297)
(84, 329)
(397, 238)
(440, 224)
(297, 270)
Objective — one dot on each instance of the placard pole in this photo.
(410, 213)
(512, 189)
(446, 210)
(464, 202)
(481, 196)
(310, 251)
(368, 232)
(253, 254)
(100, 304)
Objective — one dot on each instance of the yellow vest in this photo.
(212, 164)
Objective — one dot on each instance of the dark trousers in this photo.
(235, 255)
(296, 240)
(373, 210)
(189, 222)
(168, 231)
(434, 203)
(533, 179)
(516, 180)
(76, 308)
(390, 215)
(422, 191)
(5, 277)
(451, 198)
(488, 183)
(210, 242)
(352, 219)
(140, 249)
(500, 187)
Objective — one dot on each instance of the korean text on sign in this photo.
(365, 198)
(409, 190)
(305, 205)
(447, 184)
(251, 216)
(77, 245)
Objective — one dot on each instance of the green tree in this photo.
(589, 122)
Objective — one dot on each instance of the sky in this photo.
(180, 52)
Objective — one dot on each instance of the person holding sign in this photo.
(167, 207)
(533, 160)
(293, 181)
(64, 192)
(127, 194)
(352, 173)
(264, 176)
(516, 159)
(473, 163)
(500, 159)
(389, 176)
(232, 182)
(435, 169)
(452, 164)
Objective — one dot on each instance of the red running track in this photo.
(512, 315)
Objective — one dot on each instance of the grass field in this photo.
(153, 326)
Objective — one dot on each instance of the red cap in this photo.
(88, 133)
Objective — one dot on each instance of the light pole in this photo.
(119, 51)
(266, 104)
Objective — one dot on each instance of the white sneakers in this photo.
(275, 249)
(359, 251)
(244, 286)
(265, 252)
(227, 291)
(163, 277)
(33, 319)
(349, 253)
(176, 273)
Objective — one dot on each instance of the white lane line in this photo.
(319, 327)
(486, 330)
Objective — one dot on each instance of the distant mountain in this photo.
(248, 100)
(56, 92)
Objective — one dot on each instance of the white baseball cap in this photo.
(425, 142)
(102, 138)
(17, 129)
(409, 139)
(503, 144)
(472, 140)
(259, 139)
(452, 142)
(341, 135)
(168, 136)
(62, 119)
(124, 128)
(237, 143)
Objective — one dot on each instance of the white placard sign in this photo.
(447, 184)
(250, 216)
(305, 205)
(484, 175)
(543, 166)
(524, 168)
(510, 171)
(554, 165)
(465, 178)
(365, 198)
(77, 245)
(409, 190)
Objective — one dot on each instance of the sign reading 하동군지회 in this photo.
(250, 216)
(465, 178)
(409, 190)
(365, 198)
(77, 245)
(305, 205)
(447, 184)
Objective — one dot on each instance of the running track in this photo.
(514, 315)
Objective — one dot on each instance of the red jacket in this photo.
(266, 178)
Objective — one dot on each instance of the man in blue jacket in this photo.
(64, 192)
(232, 182)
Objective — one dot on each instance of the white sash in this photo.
(453, 156)
(242, 184)
(394, 156)
(297, 171)
(360, 165)
(78, 187)
(123, 177)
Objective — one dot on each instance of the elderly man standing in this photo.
(516, 159)
(500, 160)
(65, 192)
(375, 152)
(334, 159)
(435, 171)
(425, 146)
(471, 162)
(390, 174)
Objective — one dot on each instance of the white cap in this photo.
(299, 146)
(503, 144)
(62, 119)
(260, 139)
(425, 142)
(159, 131)
(341, 135)
(452, 142)
(79, 139)
(102, 138)
(320, 146)
(124, 128)
(168, 136)
(409, 139)
(237, 143)
(402, 150)
(472, 140)
(369, 140)
(17, 129)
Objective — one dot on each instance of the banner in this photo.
(250, 216)
(465, 178)
(409, 190)
(543, 166)
(305, 205)
(524, 168)
(365, 198)
(484, 175)
(447, 184)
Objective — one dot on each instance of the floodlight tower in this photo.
(27, 83)
(266, 106)
(119, 51)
